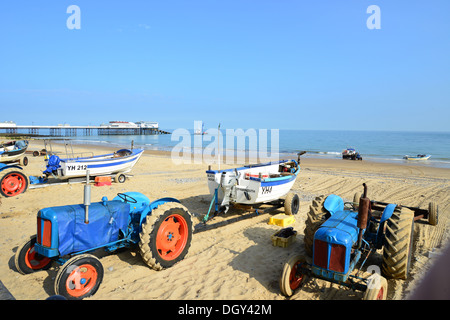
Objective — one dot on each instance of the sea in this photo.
(379, 146)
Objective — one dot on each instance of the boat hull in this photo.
(9, 152)
(259, 184)
(97, 166)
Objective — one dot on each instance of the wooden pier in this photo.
(69, 131)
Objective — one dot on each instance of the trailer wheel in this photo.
(120, 178)
(433, 213)
(398, 245)
(291, 279)
(79, 278)
(13, 183)
(317, 215)
(291, 204)
(166, 235)
(27, 260)
(376, 288)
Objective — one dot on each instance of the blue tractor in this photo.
(341, 236)
(68, 235)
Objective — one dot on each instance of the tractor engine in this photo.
(63, 230)
(332, 247)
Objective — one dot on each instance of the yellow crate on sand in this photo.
(281, 220)
(284, 237)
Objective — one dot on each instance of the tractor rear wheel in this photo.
(27, 260)
(398, 246)
(291, 278)
(317, 215)
(166, 235)
(13, 183)
(291, 204)
(79, 278)
(433, 213)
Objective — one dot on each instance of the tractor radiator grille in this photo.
(44, 232)
(320, 254)
(337, 258)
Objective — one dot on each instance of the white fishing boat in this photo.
(253, 184)
(13, 150)
(418, 157)
(121, 161)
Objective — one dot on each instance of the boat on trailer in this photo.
(418, 157)
(253, 184)
(13, 151)
(121, 161)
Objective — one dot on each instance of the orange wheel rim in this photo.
(81, 280)
(172, 237)
(380, 294)
(34, 260)
(13, 184)
(295, 280)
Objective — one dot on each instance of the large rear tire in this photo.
(317, 215)
(166, 235)
(398, 246)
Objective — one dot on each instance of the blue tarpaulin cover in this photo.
(74, 235)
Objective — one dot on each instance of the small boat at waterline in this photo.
(418, 157)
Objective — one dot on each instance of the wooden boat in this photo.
(253, 184)
(13, 150)
(121, 161)
(418, 157)
(351, 154)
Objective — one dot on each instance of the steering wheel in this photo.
(126, 198)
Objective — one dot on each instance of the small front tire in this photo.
(27, 260)
(291, 277)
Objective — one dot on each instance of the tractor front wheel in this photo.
(79, 278)
(13, 183)
(166, 235)
(291, 277)
(27, 260)
(376, 288)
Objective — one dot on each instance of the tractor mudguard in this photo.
(333, 204)
(8, 166)
(387, 212)
(154, 205)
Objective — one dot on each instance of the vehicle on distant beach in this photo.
(13, 151)
(418, 157)
(68, 235)
(341, 235)
(351, 154)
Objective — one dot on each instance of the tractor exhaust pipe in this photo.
(87, 198)
(363, 214)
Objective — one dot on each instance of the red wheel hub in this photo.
(172, 237)
(81, 280)
(34, 260)
(295, 280)
(13, 184)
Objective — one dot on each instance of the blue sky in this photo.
(247, 64)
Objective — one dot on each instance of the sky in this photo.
(271, 64)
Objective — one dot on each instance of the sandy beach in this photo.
(237, 261)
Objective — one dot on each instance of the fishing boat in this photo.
(13, 150)
(253, 184)
(121, 161)
(418, 157)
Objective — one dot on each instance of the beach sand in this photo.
(237, 261)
